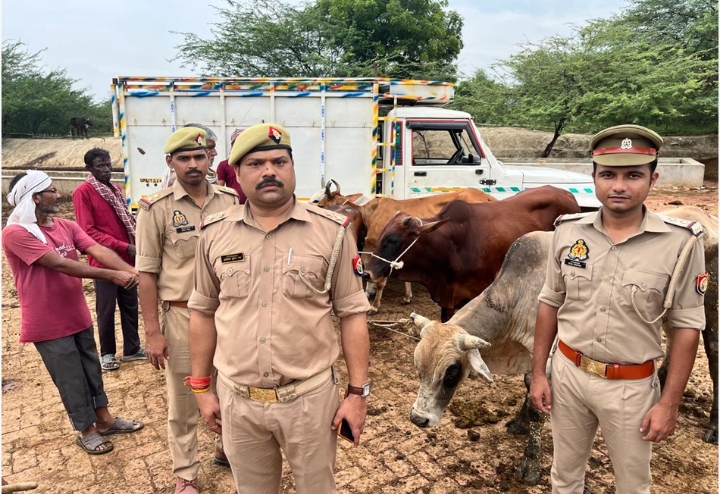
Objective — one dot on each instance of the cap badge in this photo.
(198, 139)
(275, 135)
(701, 284)
(626, 143)
(578, 253)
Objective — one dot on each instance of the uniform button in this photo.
(602, 309)
(643, 286)
(266, 269)
(302, 270)
(265, 374)
(572, 274)
(264, 304)
(262, 340)
(613, 247)
(599, 340)
(606, 278)
(231, 271)
(268, 236)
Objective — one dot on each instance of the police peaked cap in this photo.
(186, 139)
(260, 137)
(625, 145)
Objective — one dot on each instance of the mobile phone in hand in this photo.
(345, 432)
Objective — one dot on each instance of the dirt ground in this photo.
(394, 455)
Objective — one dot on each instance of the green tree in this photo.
(329, 38)
(40, 102)
(488, 99)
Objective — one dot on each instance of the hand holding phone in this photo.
(345, 432)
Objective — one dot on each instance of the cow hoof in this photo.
(518, 427)
(406, 302)
(372, 312)
(528, 472)
(711, 436)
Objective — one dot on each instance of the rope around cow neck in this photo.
(397, 263)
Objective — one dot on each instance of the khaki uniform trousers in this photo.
(580, 402)
(253, 434)
(183, 412)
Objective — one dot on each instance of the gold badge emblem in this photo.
(579, 251)
(179, 219)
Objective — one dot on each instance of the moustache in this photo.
(269, 181)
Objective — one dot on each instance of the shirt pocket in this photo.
(578, 282)
(649, 292)
(311, 268)
(184, 243)
(234, 279)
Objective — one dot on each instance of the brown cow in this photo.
(464, 256)
(377, 212)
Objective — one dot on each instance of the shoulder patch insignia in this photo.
(701, 283)
(568, 217)
(147, 202)
(227, 190)
(213, 218)
(694, 227)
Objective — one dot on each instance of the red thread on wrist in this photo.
(197, 382)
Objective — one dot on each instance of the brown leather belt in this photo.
(280, 394)
(605, 370)
(182, 303)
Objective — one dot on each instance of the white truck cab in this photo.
(438, 150)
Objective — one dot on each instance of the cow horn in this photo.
(327, 189)
(465, 342)
(420, 321)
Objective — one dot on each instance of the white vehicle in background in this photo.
(381, 137)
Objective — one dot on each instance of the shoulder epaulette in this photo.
(568, 217)
(694, 227)
(227, 190)
(331, 215)
(147, 202)
(212, 218)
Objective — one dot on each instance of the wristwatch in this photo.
(363, 390)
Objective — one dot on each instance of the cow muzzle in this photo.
(423, 419)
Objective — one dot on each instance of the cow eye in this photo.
(452, 376)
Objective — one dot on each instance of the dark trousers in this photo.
(75, 369)
(106, 294)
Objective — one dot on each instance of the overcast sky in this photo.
(96, 40)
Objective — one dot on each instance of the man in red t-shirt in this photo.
(101, 212)
(226, 173)
(42, 254)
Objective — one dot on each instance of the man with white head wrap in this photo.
(42, 253)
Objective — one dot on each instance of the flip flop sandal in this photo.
(92, 442)
(140, 355)
(109, 362)
(122, 426)
(220, 462)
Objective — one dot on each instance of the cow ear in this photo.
(406, 220)
(478, 365)
(422, 323)
(431, 227)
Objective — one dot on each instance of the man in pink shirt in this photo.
(42, 253)
(101, 212)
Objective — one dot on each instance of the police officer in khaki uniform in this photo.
(267, 276)
(607, 288)
(168, 228)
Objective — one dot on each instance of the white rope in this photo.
(388, 325)
(331, 267)
(397, 263)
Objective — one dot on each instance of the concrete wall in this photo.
(682, 172)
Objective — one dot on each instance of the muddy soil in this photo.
(470, 451)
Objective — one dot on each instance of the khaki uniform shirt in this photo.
(271, 327)
(596, 315)
(168, 227)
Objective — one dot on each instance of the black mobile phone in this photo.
(345, 432)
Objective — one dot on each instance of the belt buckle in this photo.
(263, 395)
(592, 366)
